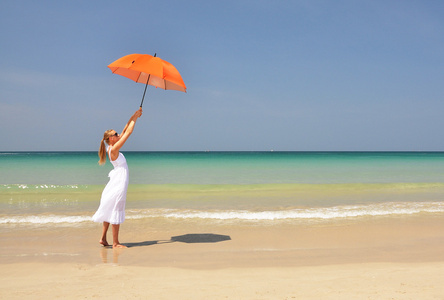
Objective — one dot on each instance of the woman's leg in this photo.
(116, 243)
(103, 240)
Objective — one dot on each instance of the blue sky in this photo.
(260, 75)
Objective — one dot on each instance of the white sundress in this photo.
(112, 202)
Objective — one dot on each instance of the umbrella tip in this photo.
(155, 54)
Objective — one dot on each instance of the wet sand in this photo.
(376, 258)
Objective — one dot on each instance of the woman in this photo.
(112, 203)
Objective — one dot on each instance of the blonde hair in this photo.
(102, 150)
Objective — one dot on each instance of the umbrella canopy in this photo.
(150, 70)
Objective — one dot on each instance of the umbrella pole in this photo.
(143, 97)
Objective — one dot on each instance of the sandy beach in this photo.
(377, 258)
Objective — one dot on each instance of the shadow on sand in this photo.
(186, 238)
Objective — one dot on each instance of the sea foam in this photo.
(337, 212)
(295, 214)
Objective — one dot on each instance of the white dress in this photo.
(112, 203)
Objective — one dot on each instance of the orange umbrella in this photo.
(150, 70)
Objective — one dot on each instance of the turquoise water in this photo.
(67, 168)
(65, 187)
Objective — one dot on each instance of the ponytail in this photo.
(102, 150)
(102, 153)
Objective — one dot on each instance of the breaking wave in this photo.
(315, 214)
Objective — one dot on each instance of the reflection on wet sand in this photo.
(115, 257)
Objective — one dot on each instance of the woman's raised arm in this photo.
(127, 131)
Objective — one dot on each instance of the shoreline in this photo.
(369, 240)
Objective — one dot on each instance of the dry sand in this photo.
(384, 258)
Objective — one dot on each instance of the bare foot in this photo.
(119, 246)
(104, 243)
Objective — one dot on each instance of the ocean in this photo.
(44, 189)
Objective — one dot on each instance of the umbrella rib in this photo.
(138, 77)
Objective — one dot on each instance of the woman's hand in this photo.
(138, 113)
